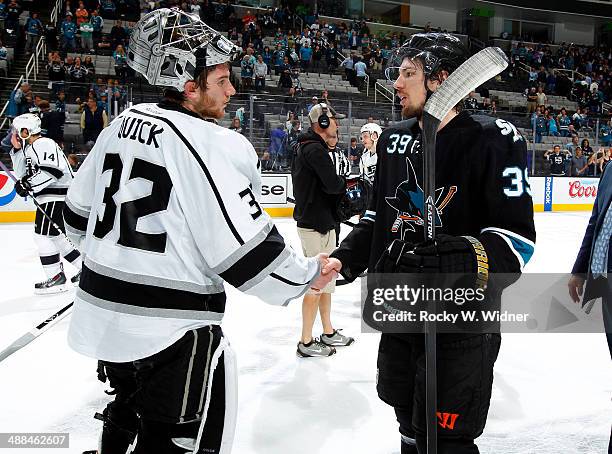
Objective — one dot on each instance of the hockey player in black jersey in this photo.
(483, 201)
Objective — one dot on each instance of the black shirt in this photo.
(316, 185)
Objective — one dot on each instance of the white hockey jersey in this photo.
(367, 165)
(46, 167)
(166, 208)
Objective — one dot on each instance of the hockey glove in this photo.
(446, 254)
(23, 187)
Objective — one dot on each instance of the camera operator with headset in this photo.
(317, 189)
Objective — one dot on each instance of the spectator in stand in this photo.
(13, 11)
(605, 133)
(305, 56)
(542, 75)
(56, 72)
(579, 120)
(539, 123)
(277, 151)
(108, 9)
(2, 15)
(590, 155)
(103, 45)
(571, 147)
(285, 80)
(34, 30)
(360, 73)
(313, 102)
(564, 122)
(532, 100)
(52, 122)
(317, 56)
(261, 70)
(290, 119)
(267, 58)
(236, 126)
(21, 98)
(551, 126)
(541, 96)
(97, 22)
(353, 153)
(471, 103)
(557, 161)
(578, 165)
(246, 72)
(291, 101)
(60, 102)
(78, 78)
(3, 58)
(605, 160)
(278, 57)
(120, 58)
(551, 82)
(349, 68)
(68, 31)
(93, 121)
(331, 57)
(91, 68)
(86, 29)
(533, 76)
(118, 35)
(82, 15)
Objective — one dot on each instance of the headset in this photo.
(323, 119)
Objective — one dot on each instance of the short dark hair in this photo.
(173, 95)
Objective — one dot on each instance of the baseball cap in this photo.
(317, 111)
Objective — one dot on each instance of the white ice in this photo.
(551, 392)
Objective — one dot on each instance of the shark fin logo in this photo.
(409, 202)
(5, 198)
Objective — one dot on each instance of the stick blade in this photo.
(472, 73)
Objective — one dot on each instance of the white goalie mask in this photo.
(170, 47)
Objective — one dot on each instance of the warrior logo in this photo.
(410, 206)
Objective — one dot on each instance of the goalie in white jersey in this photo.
(166, 208)
(44, 173)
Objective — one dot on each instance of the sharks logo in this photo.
(409, 202)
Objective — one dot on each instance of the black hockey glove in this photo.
(23, 187)
(447, 254)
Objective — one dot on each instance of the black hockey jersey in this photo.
(482, 190)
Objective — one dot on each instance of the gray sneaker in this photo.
(337, 339)
(314, 348)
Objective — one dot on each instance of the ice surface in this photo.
(551, 392)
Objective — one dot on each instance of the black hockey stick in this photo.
(38, 206)
(472, 73)
(35, 332)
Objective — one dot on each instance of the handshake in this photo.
(330, 267)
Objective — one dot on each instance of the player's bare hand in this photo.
(15, 141)
(575, 286)
(333, 264)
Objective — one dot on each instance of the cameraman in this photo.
(317, 188)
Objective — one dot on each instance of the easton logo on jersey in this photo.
(409, 203)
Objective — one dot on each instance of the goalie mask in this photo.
(170, 47)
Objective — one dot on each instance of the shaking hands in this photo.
(330, 267)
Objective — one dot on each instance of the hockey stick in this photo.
(38, 206)
(35, 332)
(467, 77)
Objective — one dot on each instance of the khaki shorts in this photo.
(314, 243)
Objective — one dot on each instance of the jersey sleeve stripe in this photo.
(74, 220)
(255, 261)
(287, 281)
(520, 246)
(53, 171)
(204, 169)
(52, 191)
(147, 297)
